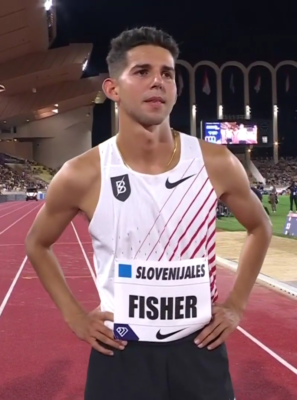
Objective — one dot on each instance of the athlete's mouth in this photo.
(155, 100)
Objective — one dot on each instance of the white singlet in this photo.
(154, 246)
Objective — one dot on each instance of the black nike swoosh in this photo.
(171, 185)
(159, 335)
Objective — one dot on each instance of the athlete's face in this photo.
(146, 89)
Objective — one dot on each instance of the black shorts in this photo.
(176, 370)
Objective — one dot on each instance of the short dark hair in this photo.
(127, 40)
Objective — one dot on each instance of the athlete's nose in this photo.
(158, 81)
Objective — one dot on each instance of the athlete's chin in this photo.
(151, 120)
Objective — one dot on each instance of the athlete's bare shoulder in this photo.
(231, 184)
(223, 167)
(76, 177)
(65, 197)
(212, 150)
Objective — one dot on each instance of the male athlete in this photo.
(150, 195)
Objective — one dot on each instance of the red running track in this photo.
(41, 359)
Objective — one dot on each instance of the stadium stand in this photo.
(17, 174)
(280, 174)
(37, 170)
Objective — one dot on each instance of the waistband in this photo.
(189, 338)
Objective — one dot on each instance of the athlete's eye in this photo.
(168, 75)
(142, 72)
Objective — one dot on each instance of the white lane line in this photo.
(7, 205)
(16, 278)
(15, 222)
(233, 266)
(84, 253)
(14, 282)
(56, 244)
(16, 209)
(268, 350)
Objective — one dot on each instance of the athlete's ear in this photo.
(110, 89)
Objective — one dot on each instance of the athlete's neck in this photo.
(151, 144)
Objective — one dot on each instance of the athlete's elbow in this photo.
(267, 226)
(263, 230)
(34, 246)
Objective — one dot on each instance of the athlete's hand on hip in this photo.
(225, 319)
(91, 328)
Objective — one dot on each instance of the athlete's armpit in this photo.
(60, 208)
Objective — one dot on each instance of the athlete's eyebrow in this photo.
(149, 66)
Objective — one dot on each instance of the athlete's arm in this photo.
(62, 204)
(233, 188)
(59, 209)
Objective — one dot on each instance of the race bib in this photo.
(160, 301)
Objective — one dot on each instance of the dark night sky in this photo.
(242, 31)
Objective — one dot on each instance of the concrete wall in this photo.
(17, 149)
(69, 143)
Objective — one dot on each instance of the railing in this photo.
(19, 196)
(12, 197)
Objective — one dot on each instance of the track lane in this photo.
(13, 210)
(17, 215)
(8, 204)
(12, 253)
(46, 353)
(270, 317)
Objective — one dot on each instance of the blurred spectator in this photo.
(280, 174)
(33, 166)
(12, 181)
(18, 179)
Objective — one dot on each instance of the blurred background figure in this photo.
(293, 195)
(273, 198)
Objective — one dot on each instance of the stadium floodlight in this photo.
(48, 4)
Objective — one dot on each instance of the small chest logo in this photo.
(121, 187)
(171, 185)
